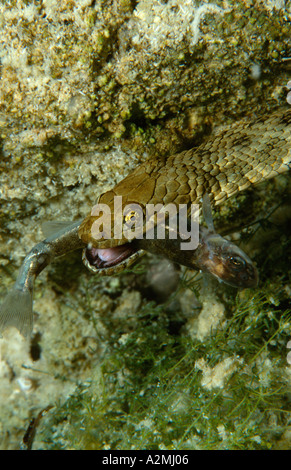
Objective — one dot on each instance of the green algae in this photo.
(147, 393)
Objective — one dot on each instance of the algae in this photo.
(155, 389)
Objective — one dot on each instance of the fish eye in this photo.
(236, 262)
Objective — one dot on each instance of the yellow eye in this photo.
(132, 221)
(130, 218)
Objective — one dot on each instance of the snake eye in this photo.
(130, 218)
(133, 221)
(236, 262)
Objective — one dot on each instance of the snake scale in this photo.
(238, 156)
(242, 154)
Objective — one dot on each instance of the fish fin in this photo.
(207, 214)
(16, 311)
(51, 227)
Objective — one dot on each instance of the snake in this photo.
(238, 156)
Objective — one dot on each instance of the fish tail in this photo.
(16, 311)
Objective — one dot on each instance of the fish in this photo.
(214, 254)
(16, 309)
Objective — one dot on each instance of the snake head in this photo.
(226, 261)
(109, 233)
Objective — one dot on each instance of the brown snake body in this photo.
(243, 154)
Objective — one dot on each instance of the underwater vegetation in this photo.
(160, 387)
(157, 391)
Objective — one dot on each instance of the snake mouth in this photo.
(110, 261)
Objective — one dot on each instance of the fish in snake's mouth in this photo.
(214, 254)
